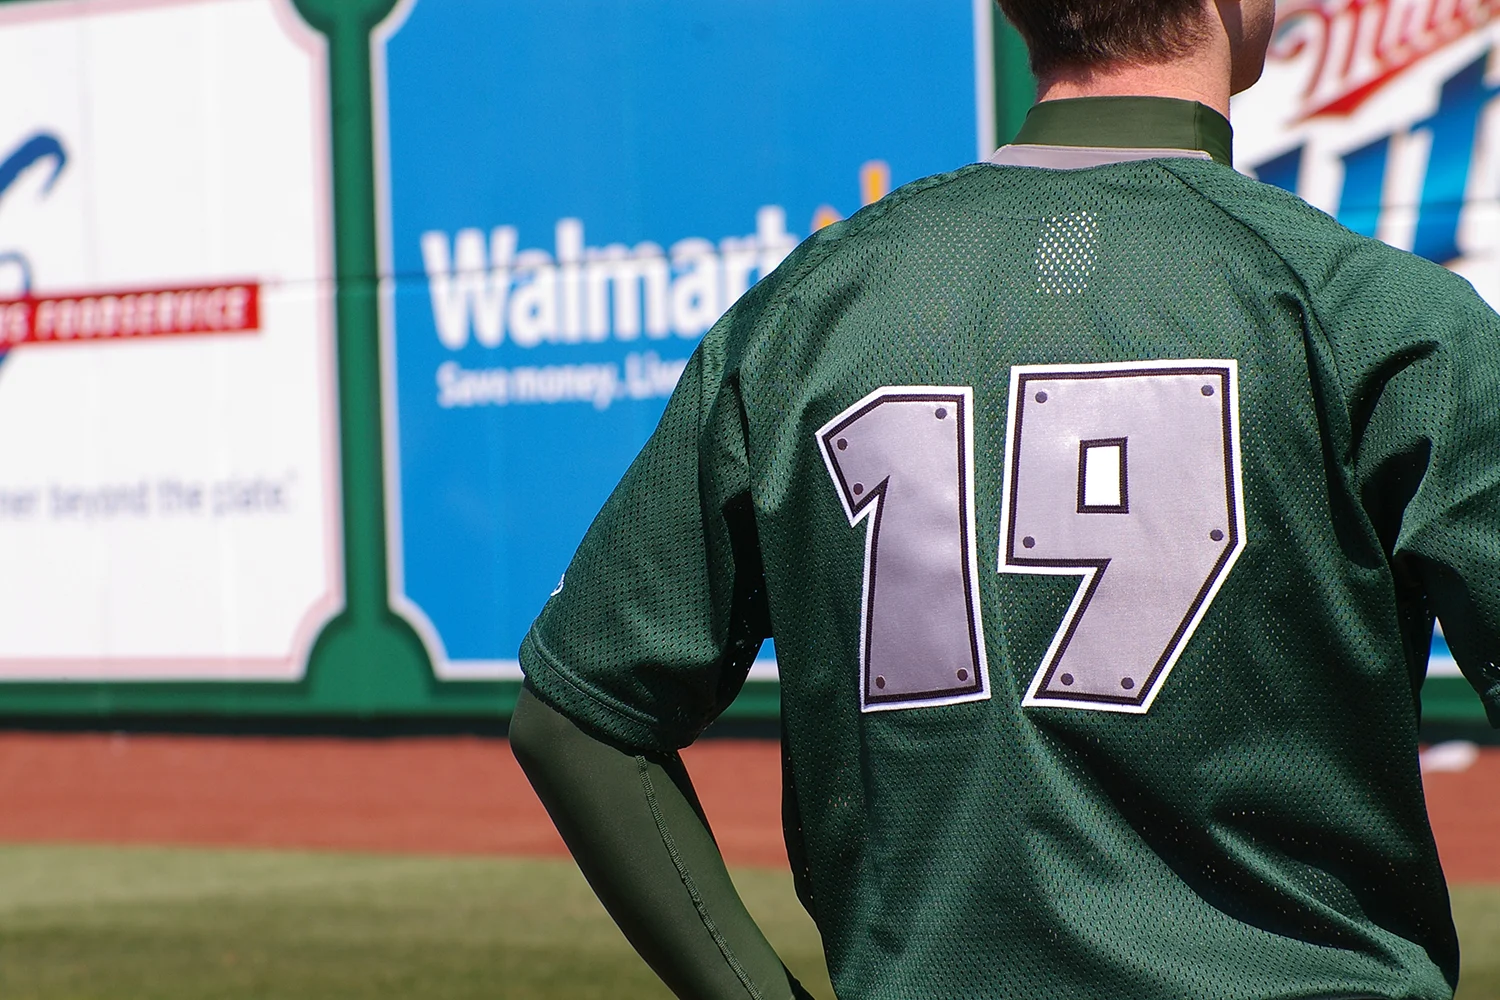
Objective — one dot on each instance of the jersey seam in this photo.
(769, 314)
(622, 712)
(1286, 266)
(864, 219)
(643, 767)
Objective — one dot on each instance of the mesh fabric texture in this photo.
(1261, 832)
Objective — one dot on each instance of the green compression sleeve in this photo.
(638, 834)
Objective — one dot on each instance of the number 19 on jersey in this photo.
(1127, 475)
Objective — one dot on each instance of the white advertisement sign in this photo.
(168, 438)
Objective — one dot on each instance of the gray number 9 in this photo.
(1128, 475)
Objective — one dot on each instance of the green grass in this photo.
(1476, 910)
(78, 923)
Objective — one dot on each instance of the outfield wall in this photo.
(325, 327)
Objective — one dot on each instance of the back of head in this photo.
(1084, 34)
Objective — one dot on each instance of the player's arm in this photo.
(646, 642)
(633, 824)
(1428, 459)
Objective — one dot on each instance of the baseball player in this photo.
(1100, 500)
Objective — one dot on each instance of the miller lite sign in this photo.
(1386, 114)
(168, 501)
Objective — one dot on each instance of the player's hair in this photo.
(1086, 33)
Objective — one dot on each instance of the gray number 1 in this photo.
(1128, 475)
(902, 460)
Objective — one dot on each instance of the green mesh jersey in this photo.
(1100, 517)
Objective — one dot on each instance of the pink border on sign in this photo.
(54, 10)
(293, 666)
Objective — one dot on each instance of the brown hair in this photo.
(1085, 33)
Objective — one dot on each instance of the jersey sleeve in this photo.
(1421, 371)
(662, 609)
(1413, 353)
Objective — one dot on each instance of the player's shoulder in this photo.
(852, 250)
(896, 215)
(1325, 257)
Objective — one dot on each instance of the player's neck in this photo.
(1201, 76)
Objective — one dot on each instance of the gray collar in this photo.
(1083, 157)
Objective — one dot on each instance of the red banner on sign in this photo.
(91, 317)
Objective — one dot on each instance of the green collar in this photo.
(1130, 122)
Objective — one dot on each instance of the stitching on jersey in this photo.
(823, 244)
(625, 713)
(670, 843)
(1307, 296)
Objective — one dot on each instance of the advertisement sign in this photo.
(1386, 114)
(168, 461)
(572, 194)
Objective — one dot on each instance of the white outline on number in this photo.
(867, 515)
(1086, 574)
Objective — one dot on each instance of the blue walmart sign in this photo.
(576, 191)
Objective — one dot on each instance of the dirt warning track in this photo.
(452, 795)
(448, 795)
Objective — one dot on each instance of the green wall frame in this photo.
(1015, 87)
